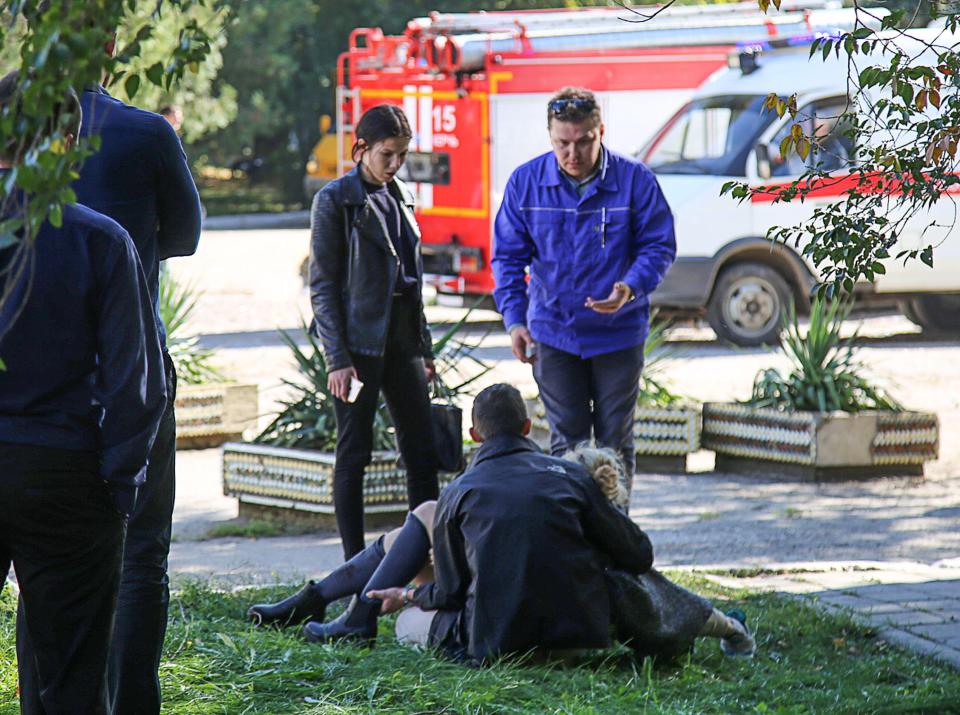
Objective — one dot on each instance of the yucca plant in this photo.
(307, 420)
(193, 363)
(654, 391)
(825, 376)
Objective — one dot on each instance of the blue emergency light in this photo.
(747, 55)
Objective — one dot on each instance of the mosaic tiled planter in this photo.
(819, 445)
(663, 437)
(300, 481)
(209, 415)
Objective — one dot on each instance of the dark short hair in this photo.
(499, 409)
(66, 116)
(385, 121)
(575, 105)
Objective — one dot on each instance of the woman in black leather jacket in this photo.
(365, 287)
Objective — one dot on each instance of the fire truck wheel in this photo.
(935, 313)
(747, 303)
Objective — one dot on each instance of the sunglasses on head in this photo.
(561, 106)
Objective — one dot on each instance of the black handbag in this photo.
(447, 421)
(448, 436)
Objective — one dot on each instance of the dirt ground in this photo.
(251, 286)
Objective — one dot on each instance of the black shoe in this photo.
(358, 622)
(305, 605)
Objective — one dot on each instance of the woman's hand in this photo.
(338, 382)
(429, 369)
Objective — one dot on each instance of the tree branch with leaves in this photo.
(902, 121)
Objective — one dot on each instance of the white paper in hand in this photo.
(355, 387)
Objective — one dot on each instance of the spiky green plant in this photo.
(193, 363)
(825, 376)
(307, 420)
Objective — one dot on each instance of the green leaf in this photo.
(155, 74)
(132, 85)
(926, 255)
(56, 215)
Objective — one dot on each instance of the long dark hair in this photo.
(385, 121)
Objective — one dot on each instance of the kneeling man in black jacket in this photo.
(520, 544)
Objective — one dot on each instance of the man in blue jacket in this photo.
(81, 396)
(586, 223)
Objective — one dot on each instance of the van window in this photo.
(709, 136)
(823, 120)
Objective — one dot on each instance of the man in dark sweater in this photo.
(80, 401)
(140, 178)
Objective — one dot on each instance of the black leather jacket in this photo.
(520, 542)
(354, 269)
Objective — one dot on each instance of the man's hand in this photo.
(522, 344)
(619, 297)
(392, 599)
(429, 369)
(338, 382)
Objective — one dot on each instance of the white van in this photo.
(726, 265)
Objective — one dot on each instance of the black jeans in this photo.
(598, 393)
(59, 528)
(400, 375)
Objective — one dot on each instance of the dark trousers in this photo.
(144, 594)
(400, 376)
(144, 598)
(59, 528)
(598, 394)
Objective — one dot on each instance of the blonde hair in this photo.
(604, 465)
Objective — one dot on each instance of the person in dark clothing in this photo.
(648, 612)
(520, 542)
(365, 287)
(140, 178)
(81, 397)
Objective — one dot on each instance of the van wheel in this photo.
(935, 313)
(747, 303)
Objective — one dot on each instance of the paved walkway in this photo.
(912, 605)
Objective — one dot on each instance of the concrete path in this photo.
(912, 605)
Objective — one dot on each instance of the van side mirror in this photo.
(763, 161)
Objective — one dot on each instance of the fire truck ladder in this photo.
(596, 18)
(346, 125)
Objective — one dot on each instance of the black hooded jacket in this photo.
(521, 541)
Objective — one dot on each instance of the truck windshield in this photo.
(709, 136)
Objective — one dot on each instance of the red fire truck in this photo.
(475, 87)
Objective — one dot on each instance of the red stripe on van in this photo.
(836, 186)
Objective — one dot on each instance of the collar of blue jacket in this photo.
(555, 176)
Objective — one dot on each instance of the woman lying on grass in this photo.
(652, 615)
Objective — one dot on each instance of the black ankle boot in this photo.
(358, 622)
(306, 604)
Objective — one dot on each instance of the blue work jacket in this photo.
(620, 229)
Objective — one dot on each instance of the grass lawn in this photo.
(807, 663)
